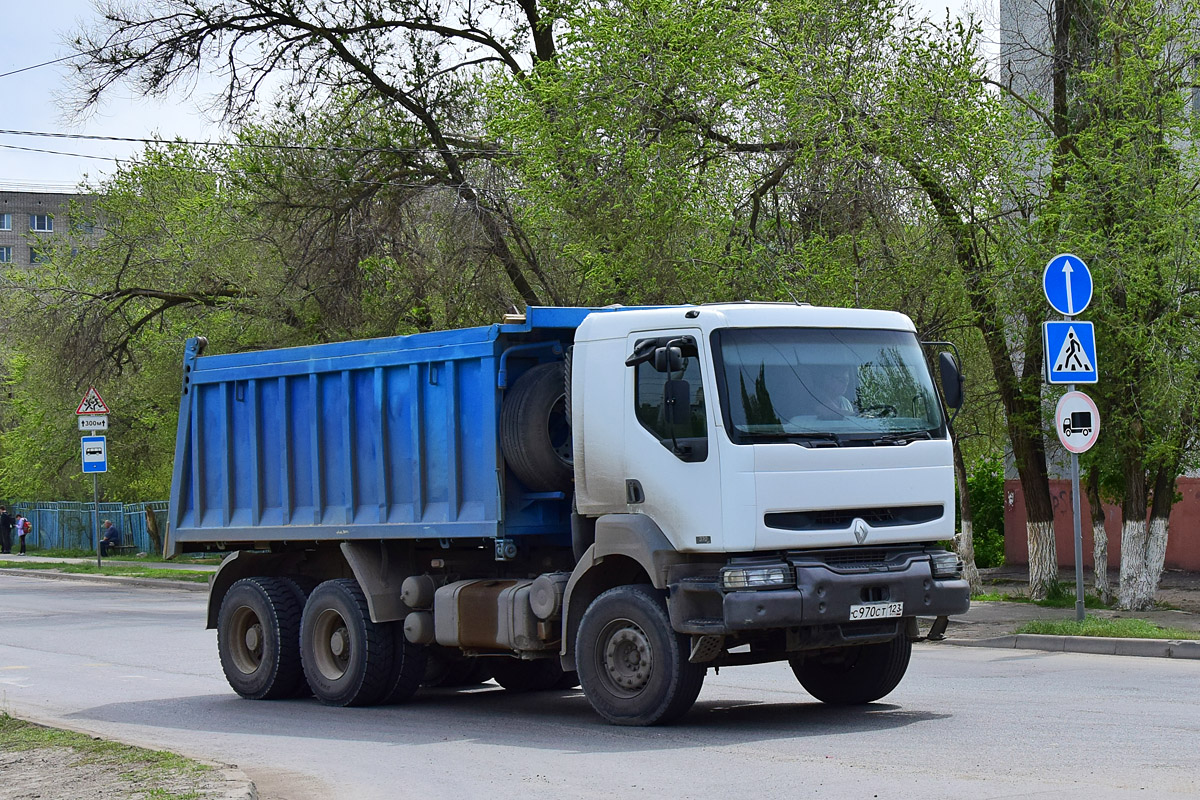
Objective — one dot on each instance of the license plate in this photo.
(876, 611)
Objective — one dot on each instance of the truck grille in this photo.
(843, 518)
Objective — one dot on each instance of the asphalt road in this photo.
(136, 664)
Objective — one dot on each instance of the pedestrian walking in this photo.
(6, 526)
(23, 528)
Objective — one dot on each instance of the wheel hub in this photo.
(627, 659)
(246, 640)
(254, 638)
(338, 643)
(331, 644)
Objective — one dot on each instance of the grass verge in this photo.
(122, 569)
(151, 774)
(1112, 628)
(1089, 600)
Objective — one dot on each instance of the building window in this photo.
(38, 256)
(5, 255)
(5, 222)
(41, 222)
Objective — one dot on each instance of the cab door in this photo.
(672, 465)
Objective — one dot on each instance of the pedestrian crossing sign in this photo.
(1070, 352)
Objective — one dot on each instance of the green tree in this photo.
(1121, 166)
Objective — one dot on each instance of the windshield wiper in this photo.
(900, 438)
(806, 438)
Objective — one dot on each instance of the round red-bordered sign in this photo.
(1077, 422)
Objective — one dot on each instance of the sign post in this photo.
(92, 415)
(1070, 358)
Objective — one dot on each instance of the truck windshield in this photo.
(825, 387)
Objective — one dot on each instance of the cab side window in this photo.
(683, 429)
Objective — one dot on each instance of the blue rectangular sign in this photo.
(1070, 349)
(95, 454)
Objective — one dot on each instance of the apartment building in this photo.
(31, 220)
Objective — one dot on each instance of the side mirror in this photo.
(668, 359)
(677, 402)
(952, 380)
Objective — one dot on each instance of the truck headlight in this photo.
(945, 564)
(767, 576)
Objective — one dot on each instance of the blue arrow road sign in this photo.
(1070, 352)
(95, 454)
(1067, 283)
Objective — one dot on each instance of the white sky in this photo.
(31, 101)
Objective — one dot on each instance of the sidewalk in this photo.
(994, 623)
(16, 558)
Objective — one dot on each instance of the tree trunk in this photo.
(1043, 558)
(1020, 392)
(1099, 539)
(1137, 594)
(1135, 582)
(964, 542)
(152, 531)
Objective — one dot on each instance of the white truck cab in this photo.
(804, 428)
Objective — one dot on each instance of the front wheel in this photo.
(633, 666)
(854, 675)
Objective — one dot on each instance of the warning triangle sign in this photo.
(1072, 357)
(92, 403)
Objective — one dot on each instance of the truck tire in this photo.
(538, 675)
(347, 658)
(854, 675)
(534, 432)
(258, 638)
(633, 666)
(408, 668)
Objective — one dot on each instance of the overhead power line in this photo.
(96, 51)
(258, 146)
(38, 66)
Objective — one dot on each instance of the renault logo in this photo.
(860, 531)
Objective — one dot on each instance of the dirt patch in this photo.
(40, 763)
(60, 773)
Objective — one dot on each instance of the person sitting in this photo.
(832, 386)
(112, 537)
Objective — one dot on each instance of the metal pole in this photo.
(96, 514)
(1079, 611)
(1076, 514)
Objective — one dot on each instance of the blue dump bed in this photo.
(374, 439)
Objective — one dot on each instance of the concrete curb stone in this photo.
(237, 785)
(1097, 645)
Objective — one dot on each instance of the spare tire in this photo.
(534, 432)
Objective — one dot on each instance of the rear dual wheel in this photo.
(350, 660)
(258, 637)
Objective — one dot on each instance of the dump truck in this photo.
(619, 499)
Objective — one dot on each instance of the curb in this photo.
(1095, 645)
(112, 579)
(237, 785)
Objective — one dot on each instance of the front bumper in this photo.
(824, 595)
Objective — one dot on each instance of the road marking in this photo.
(15, 667)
